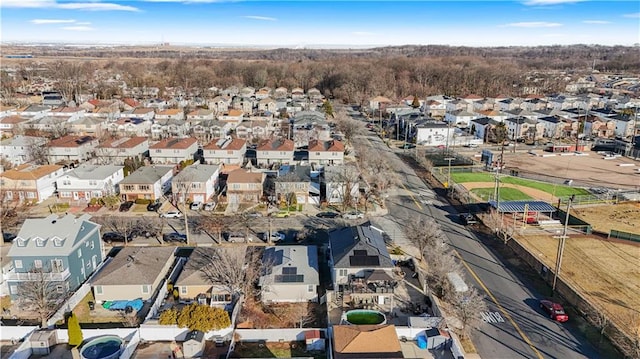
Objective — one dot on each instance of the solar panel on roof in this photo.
(359, 252)
(290, 270)
(363, 261)
(289, 278)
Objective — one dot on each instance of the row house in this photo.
(173, 150)
(247, 92)
(509, 104)
(144, 113)
(28, 182)
(233, 116)
(225, 151)
(595, 126)
(72, 148)
(434, 108)
(148, 182)
(293, 185)
(315, 95)
(88, 126)
(255, 129)
(170, 114)
(196, 183)
(275, 151)
(74, 113)
(281, 93)
(553, 126)
(19, 149)
(209, 129)
(494, 114)
(107, 113)
(377, 103)
(12, 125)
(200, 115)
(267, 105)
(67, 250)
(483, 128)
(263, 93)
(534, 104)
(89, 181)
(330, 152)
(130, 127)
(163, 128)
(244, 104)
(116, 151)
(460, 118)
(522, 127)
(34, 111)
(245, 186)
(519, 112)
(458, 105)
(55, 126)
(625, 125)
(484, 105)
(297, 93)
(434, 133)
(219, 104)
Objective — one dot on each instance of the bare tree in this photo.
(629, 344)
(225, 267)
(440, 262)
(601, 321)
(212, 223)
(297, 314)
(424, 232)
(38, 153)
(40, 294)
(347, 126)
(467, 308)
(130, 227)
(12, 211)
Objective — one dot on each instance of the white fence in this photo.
(162, 292)
(157, 332)
(16, 333)
(273, 335)
(23, 351)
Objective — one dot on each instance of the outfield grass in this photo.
(506, 194)
(557, 190)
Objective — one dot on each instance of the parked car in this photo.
(109, 237)
(195, 206)
(125, 206)
(468, 218)
(281, 214)
(328, 215)
(209, 206)
(174, 237)
(154, 206)
(253, 214)
(278, 236)
(236, 237)
(353, 215)
(171, 214)
(554, 310)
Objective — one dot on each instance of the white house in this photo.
(340, 182)
(232, 116)
(225, 150)
(200, 115)
(329, 152)
(173, 150)
(170, 114)
(196, 183)
(292, 275)
(72, 148)
(115, 151)
(17, 149)
(144, 113)
(130, 127)
(90, 181)
(434, 134)
(625, 125)
(275, 151)
(461, 118)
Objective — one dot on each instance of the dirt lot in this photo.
(591, 170)
(534, 193)
(622, 217)
(606, 272)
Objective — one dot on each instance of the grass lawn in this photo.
(558, 190)
(274, 350)
(5, 301)
(506, 194)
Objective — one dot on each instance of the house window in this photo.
(183, 290)
(92, 183)
(59, 288)
(17, 263)
(31, 195)
(66, 182)
(13, 289)
(145, 289)
(128, 187)
(98, 289)
(39, 242)
(310, 288)
(37, 263)
(57, 266)
(21, 242)
(144, 187)
(80, 253)
(342, 272)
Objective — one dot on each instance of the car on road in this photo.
(253, 214)
(174, 237)
(171, 214)
(154, 206)
(554, 310)
(236, 237)
(328, 215)
(209, 206)
(195, 206)
(281, 214)
(353, 215)
(278, 236)
(109, 237)
(125, 206)
(468, 218)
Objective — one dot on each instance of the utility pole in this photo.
(561, 245)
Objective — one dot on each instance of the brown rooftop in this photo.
(71, 141)
(381, 340)
(230, 145)
(170, 111)
(142, 110)
(30, 172)
(13, 119)
(329, 146)
(242, 176)
(279, 144)
(175, 143)
(123, 142)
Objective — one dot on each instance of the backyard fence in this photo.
(627, 236)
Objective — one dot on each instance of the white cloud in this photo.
(53, 4)
(597, 22)
(51, 21)
(363, 33)
(83, 23)
(633, 15)
(263, 18)
(532, 24)
(550, 2)
(78, 28)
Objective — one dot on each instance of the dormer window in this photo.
(21, 242)
(57, 242)
(39, 242)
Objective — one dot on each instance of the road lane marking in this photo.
(495, 301)
(410, 195)
(492, 317)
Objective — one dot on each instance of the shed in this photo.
(313, 340)
(193, 346)
(42, 341)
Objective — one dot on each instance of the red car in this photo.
(555, 310)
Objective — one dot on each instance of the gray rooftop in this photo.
(147, 174)
(57, 235)
(337, 172)
(359, 247)
(20, 140)
(92, 172)
(134, 266)
(197, 173)
(293, 265)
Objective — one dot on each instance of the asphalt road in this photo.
(514, 326)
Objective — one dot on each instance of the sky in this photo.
(322, 24)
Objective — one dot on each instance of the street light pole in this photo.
(561, 245)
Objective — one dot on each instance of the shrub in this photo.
(74, 331)
(203, 318)
(168, 317)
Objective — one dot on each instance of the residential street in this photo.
(514, 326)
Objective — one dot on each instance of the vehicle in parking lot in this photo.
(171, 214)
(195, 206)
(468, 218)
(154, 206)
(328, 215)
(174, 237)
(209, 206)
(554, 310)
(125, 206)
(353, 215)
(281, 214)
(109, 237)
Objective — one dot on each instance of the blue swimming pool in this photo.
(106, 347)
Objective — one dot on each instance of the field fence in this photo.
(634, 237)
